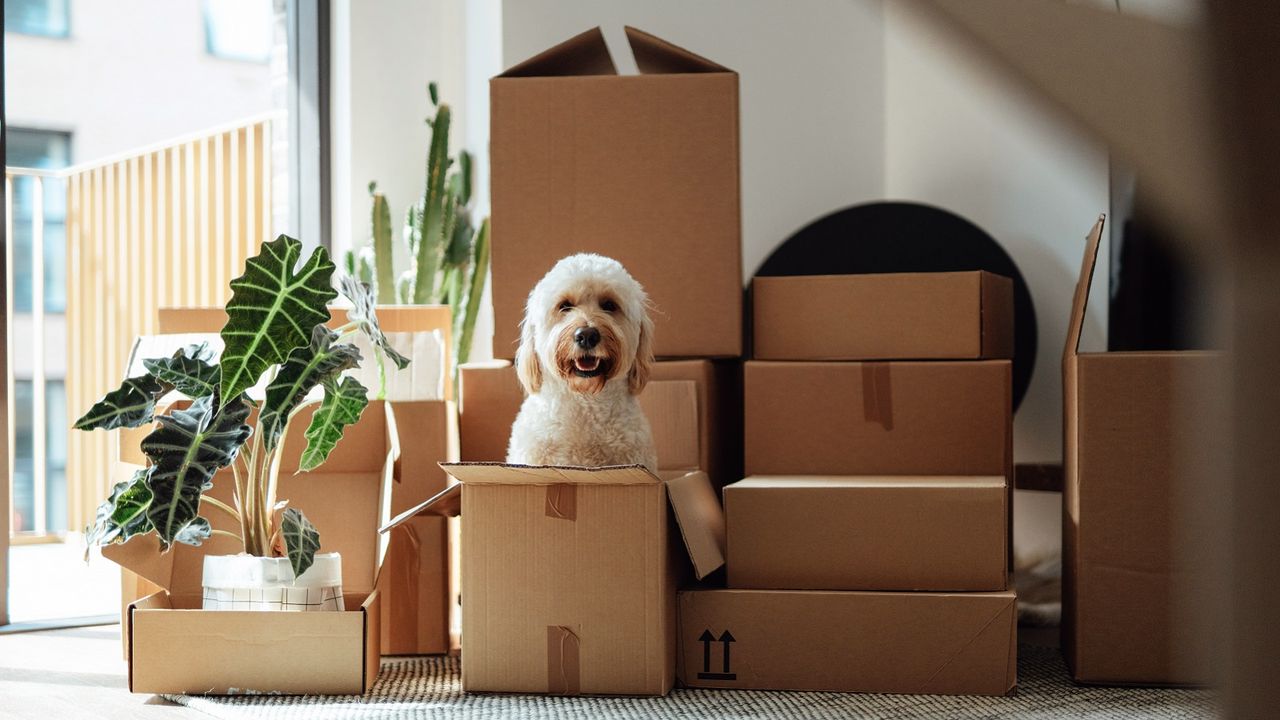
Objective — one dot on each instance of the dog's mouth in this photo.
(589, 366)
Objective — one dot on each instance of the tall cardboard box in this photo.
(569, 575)
(1140, 481)
(345, 498)
(884, 316)
(693, 406)
(878, 418)
(867, 533)
(879, 642)
(641, 168)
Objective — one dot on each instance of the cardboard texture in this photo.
(891, 316)
(881, 642)
(692, 407)
(414, 582)
(867, 533)
(878, 418)
(1139, 478)
(569, 574)
(345, 498)
(583, 157)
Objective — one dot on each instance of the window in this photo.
(238, 29)
(48, 150)
(24, 502)
(50, 18)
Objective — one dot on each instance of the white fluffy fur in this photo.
(568, 418)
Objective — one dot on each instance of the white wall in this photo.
(811, 90)
(962, 136)
(133, 73)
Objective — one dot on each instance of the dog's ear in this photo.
(643, 364)
(528, 368)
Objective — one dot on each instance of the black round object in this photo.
(890, 237)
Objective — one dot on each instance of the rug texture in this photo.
(429, 687)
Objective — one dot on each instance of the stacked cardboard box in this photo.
(869, 547)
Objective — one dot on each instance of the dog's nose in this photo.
(586, 337)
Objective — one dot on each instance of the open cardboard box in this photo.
(641, 168)
(1140, 481)
(569, 575)
(175, 647)
(693, 407)
(415, 583)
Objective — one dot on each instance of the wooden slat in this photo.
(165, 228)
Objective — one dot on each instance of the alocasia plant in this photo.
(276, 328)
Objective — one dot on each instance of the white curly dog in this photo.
(586, 351)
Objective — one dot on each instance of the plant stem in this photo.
(239, 492)
(221, 506)
(229, 534)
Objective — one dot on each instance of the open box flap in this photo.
(692, 497)
(582, 54)
(495, 473)
(655, 56)
(1080, 300)
(331, 497)
(700, 519)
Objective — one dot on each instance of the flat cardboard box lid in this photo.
(141, 555)
(587, 54)
(1080, 301)
(693, 500)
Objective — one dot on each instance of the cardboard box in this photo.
(414, 582)
(1140, 482)
(890, 316)
(569, 574)
(867, 533)
(878, 418)
(879, 642)
(345, 498)
(414, 585)
(693, 407)
(641, 168)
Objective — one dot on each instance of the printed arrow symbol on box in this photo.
(706, 638)
(726, 638)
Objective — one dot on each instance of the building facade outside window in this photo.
(48, 18)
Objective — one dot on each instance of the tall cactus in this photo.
(380, 222)
(449, 256)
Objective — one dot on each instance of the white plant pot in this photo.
(246, 582)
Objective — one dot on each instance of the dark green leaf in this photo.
(124, 513)
(186, 450)
(195, 533)
(434, 93)
(362, 312)
(130, 405)
(188, 371)
(306, 368)
(273, 307)
(301, 540)
(342, 405)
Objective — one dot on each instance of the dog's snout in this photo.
(586, 337)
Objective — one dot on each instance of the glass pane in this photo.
(37, 17)
(56, 425)
(24, 504)
(238, 29)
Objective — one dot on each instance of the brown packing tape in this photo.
(563, 668)
(562, 502)
(877, 396)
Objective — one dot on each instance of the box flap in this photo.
(446, 503)
(582, 54)
(494, 473)
(141, 555)
(1081, 298)
(655, 56)
(700, 519)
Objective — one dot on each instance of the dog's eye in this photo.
(565, 306)
(608, 306)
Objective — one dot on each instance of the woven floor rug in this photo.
(428, 687)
